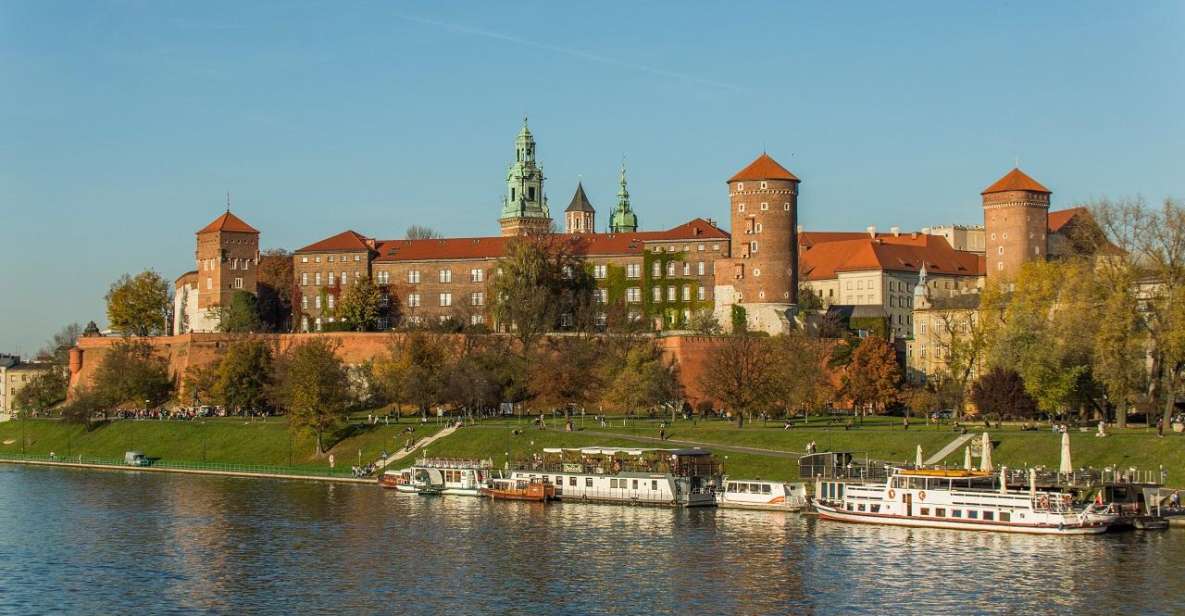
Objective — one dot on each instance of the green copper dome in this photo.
(623, 219)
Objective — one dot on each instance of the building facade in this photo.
(14, 375)
(227, 259)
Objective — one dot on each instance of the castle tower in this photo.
(580, 217)
(1015, 220)
(524, 208)
(227, 256)
(762, 274)
(623, 220)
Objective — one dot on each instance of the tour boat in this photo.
(450, 477)
(764, 495)
(957, 499)
(400, 480)
(666, 477)
(536, 490)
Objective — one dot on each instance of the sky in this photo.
(123, 125)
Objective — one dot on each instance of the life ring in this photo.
(922, 495)
(892, 494)
(1043, 501)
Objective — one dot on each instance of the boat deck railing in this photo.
(455, 463)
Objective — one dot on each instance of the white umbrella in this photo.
(1066, 466)
(985, 454)
(967, 458)
(1003, 480)
(919, 458)
(1032, 483)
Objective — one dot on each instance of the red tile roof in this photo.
(228, 222)
(1060, 218)
(823, 260)
(810, 238)
(1015, 180)
(763, 168)
(346, 241)
(590, 244)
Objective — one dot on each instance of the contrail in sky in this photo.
(575, 53)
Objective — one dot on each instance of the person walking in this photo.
(1160, 427)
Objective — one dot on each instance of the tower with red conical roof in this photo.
(761, 277)
(1015, 220)
(227, 256)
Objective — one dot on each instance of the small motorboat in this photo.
(400, 480)
(535, 490)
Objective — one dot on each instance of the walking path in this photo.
(777, 453)
(403, 453)
(950, 448)
(188, 471)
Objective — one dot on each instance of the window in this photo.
(317, 279)
(925, 511)
(999, 250)
(383, 277)
(763, 186)
(999, 266)
(686, 293)
(317, 259)
(330, 300)
(238, 283)
(753, 246)
(657, 294)
(700, 268)
(671, 268)
(345, 278)
(317, 302)
(700, 294)
(989, 515)
(304, 278)
(588, 482)
(633, 270)
(786, 206)
(716, 247)
(764, 207)
(633, 295)
(413, 276)
(956, 513)
(357, 258)
(656, 270)
(701, 248)
(687, 269)
(477, 319)
(740, 186)
(304, 324)
(446, 299)
(672, 293)
(478, 299)
(318, 323)
(329, 258)
(601, 295)
(477, 275)
(572, 481)
(304, 260)
(413, 300)
(972, 514)
(600, 271)
(446, 275)
(1005, 516)
(741, 207)
(331, 279)
(940, 512)
(304, 303)
(234, 264)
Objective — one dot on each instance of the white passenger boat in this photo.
(668, 477)
(958, 499)
(399, 480)
(450, 476)
(764, 495)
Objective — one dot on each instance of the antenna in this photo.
(1016, 161)
(228, 201)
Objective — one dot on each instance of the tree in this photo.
(420, 232)
(43, 391)
(704, 322)
(244, 376)
(273, 287)
(739, 374)
(137, 306)
(872, 377)
(359, 306)
(311, 384)
(415, 372)
(799, 380)
(241, 315)
(57, 349)
(643, 381)
(199, 383)
(566, 372)
(921, 399)
(131, 373)
(1001, 392)
(542, 285)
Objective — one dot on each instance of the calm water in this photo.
(102, 542)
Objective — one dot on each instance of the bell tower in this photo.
(580, 217)
(524, 207)
(623, 220)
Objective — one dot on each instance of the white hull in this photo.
(831, 513)
(760, 506)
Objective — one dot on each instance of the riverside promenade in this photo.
(189, 468)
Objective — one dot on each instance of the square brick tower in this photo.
(1015, 220)
(227, 256)
(762, 275)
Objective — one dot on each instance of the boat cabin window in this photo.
(654, 484)
(1005, 516)
(989, 515)
(940, 512)
(973, 514)
(559, 480)
(588, 482)
(572, 481)
(956, 513)
(765, 489)
(635, 484)
(876, 508)
(925, 511)
(860, 507)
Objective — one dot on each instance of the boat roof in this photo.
(632, 451)
(942, 472)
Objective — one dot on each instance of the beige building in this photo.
(14, 375)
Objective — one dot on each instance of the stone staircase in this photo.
(382, 463)
(950, 448)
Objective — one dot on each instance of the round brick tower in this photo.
(763, 198)
(1015, 221)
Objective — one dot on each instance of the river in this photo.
(87, 542)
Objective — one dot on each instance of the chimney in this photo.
(370, 243)
(800, 228)
(895, 230)
(871, 230)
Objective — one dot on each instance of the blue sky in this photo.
(123, 124)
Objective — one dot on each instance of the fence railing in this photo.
(250, 469)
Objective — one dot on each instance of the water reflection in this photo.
(90, 542)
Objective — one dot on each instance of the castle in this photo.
(752, 272)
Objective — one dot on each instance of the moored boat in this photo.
(536, 490)
(665, 477)
(450, 476)
(400, 480)
(955, 499)
(763, 495)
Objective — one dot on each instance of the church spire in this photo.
(623, 219)
(524, 207)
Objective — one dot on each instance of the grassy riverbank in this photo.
(758, 450)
